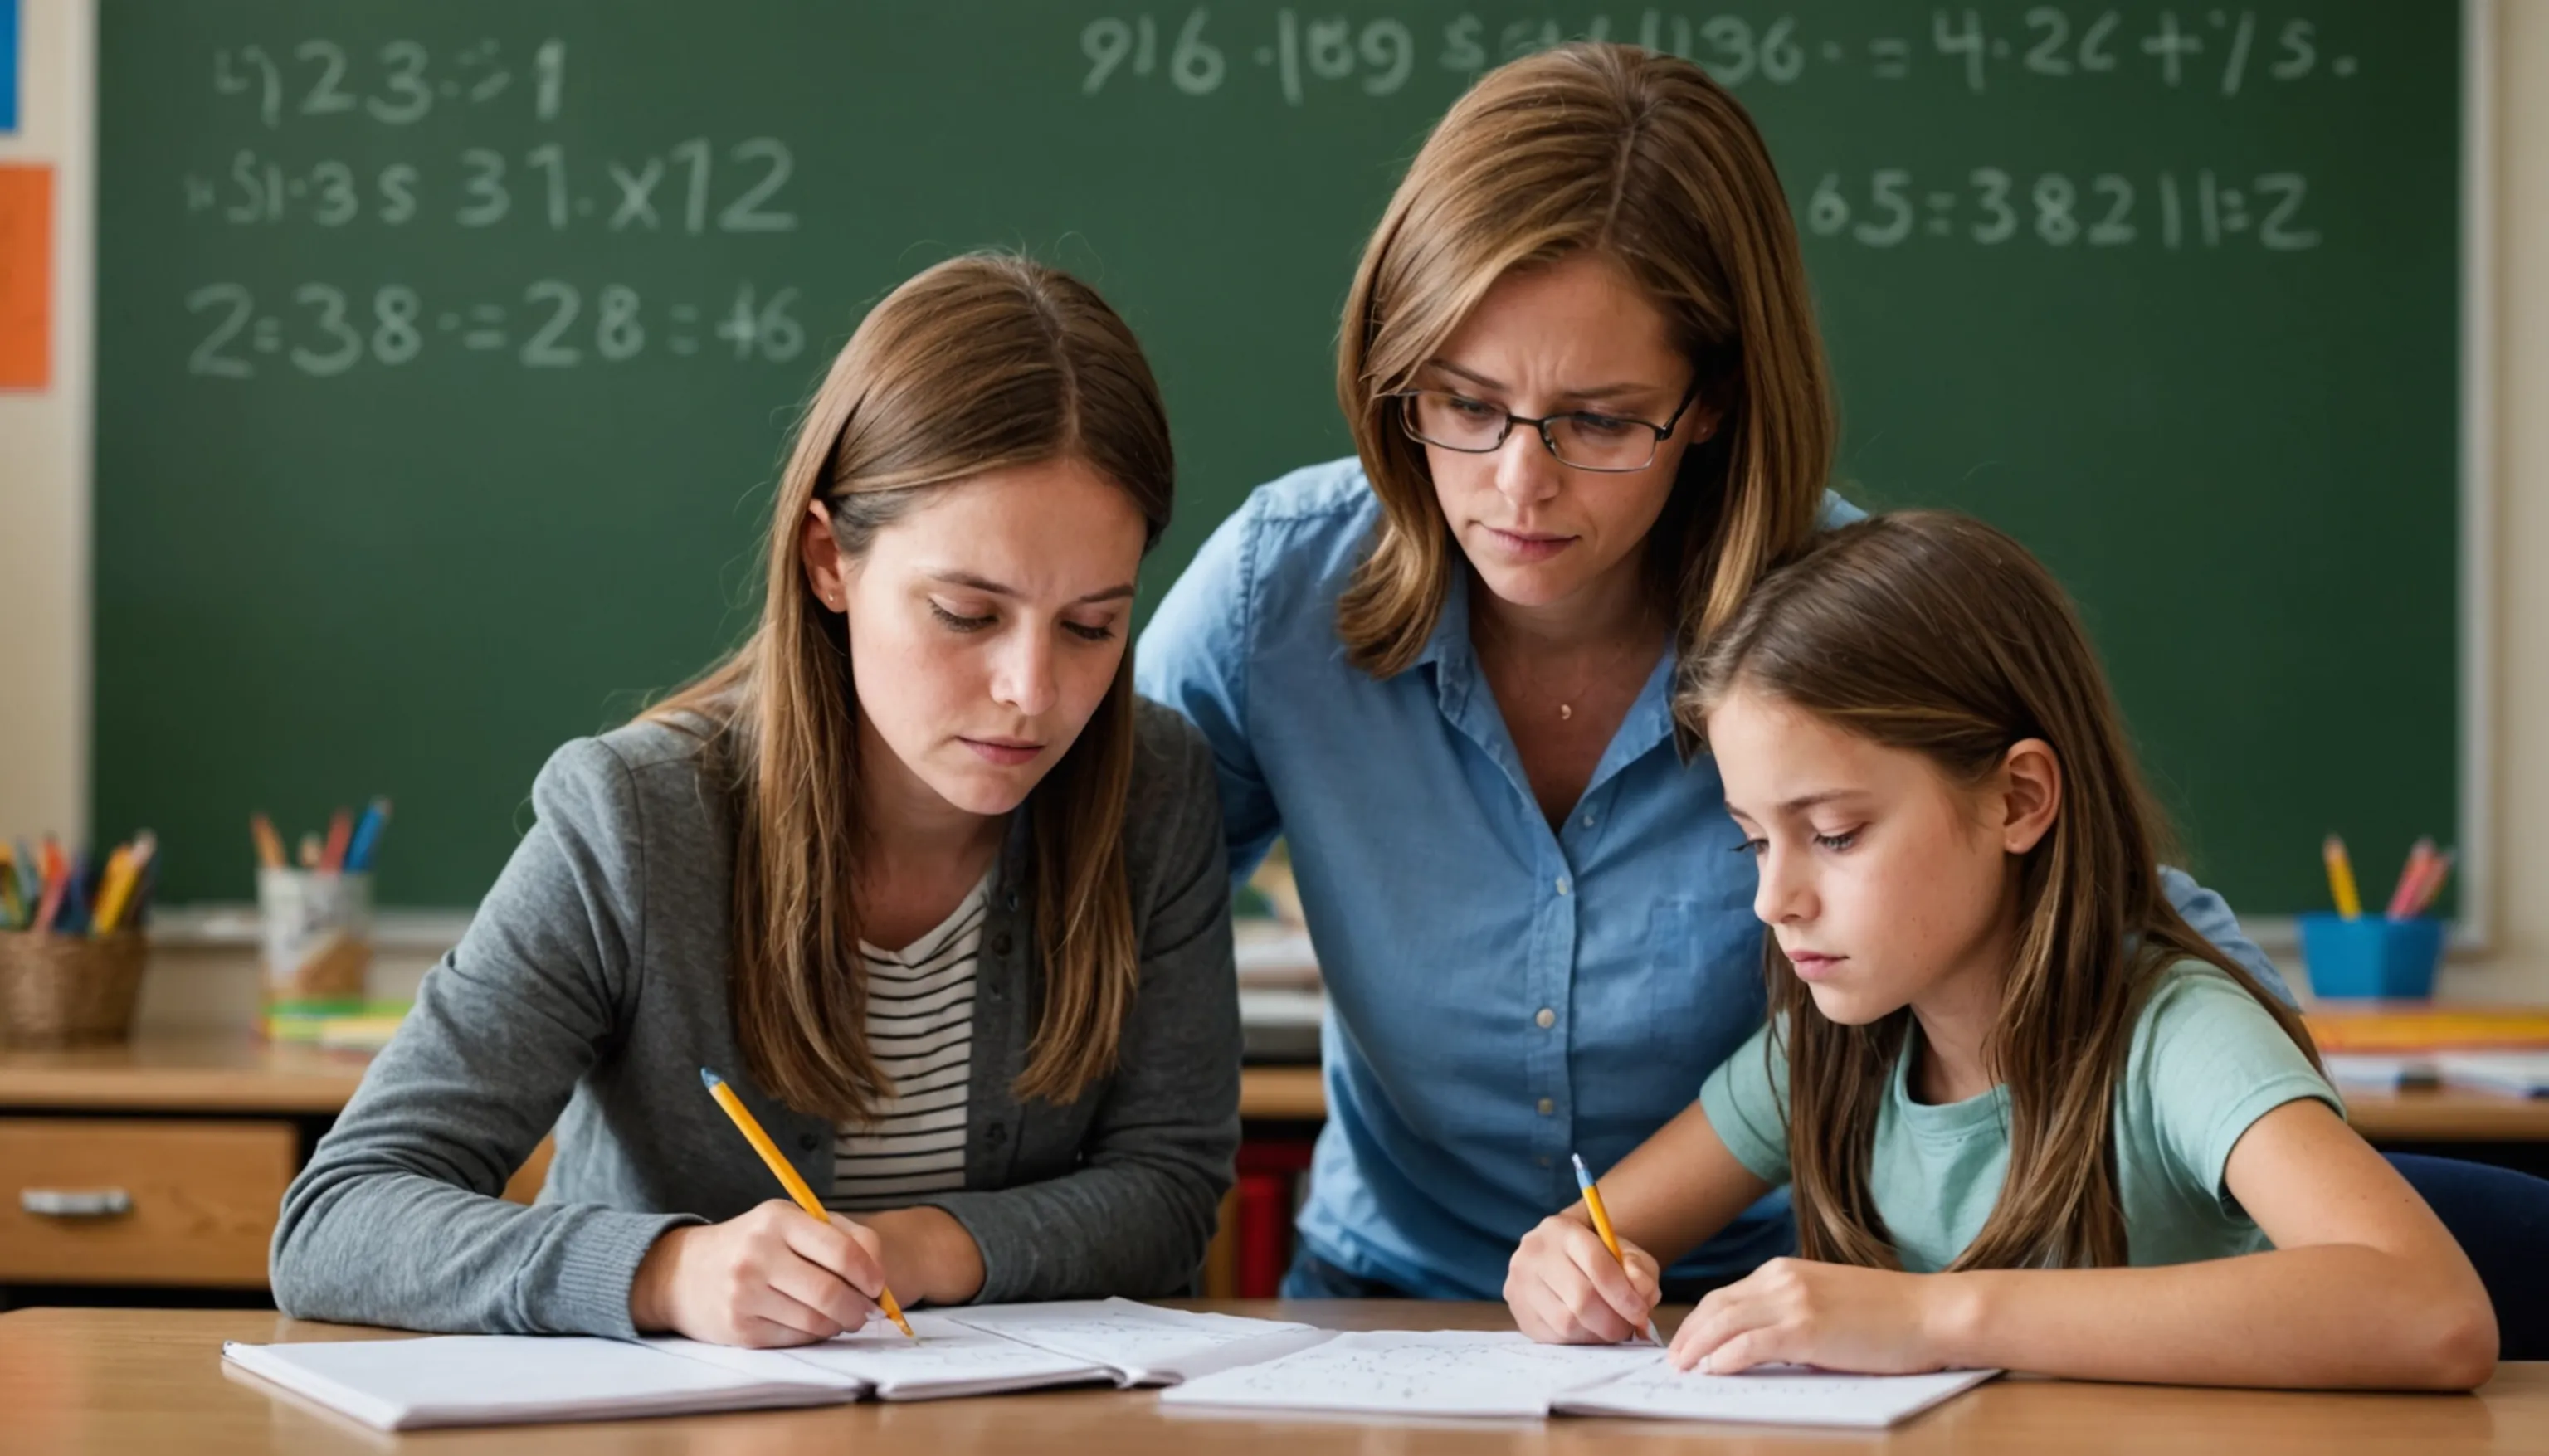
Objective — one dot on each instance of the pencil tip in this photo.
(710, 1079)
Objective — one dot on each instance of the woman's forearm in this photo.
(2325, 1315)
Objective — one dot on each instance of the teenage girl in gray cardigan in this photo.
(914, 870)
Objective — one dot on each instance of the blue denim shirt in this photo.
(1499, 994)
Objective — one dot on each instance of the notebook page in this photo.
(771, 1364)
(1783, 1395)
(1143, 1343)
(498, 1379)
(1416, 1372)
(947, 1359)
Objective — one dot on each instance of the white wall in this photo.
(45, 491)
(45, 455)
(2522, 494)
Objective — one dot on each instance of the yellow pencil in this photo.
(2340, 879)
(118, 899)
(114, 883)
(1602, 1225)
(750, 1127)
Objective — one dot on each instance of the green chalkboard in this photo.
(446, 350)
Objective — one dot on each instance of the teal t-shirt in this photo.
(2205, 1062)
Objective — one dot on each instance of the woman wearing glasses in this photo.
(1590, 410)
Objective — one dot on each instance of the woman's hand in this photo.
(771, 1277)
(1565, 1287)
(1837, 1316)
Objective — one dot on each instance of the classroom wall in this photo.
(2522, 501)
(44, 488)
(45, 455)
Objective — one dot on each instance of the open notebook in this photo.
(501, 1379)
(494, 1380)
(1142, 1344)
(1473, 1373)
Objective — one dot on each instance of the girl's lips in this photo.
(1812, 965)
(1527, 547)
(1005, 754)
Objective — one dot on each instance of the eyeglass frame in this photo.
(1540, 426)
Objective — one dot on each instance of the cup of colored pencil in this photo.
(314, 915)
(2392, 956)
(72, 942)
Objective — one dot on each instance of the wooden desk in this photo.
(147, 1380)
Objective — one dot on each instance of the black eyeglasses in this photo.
(1584, 439)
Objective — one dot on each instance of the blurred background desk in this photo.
(201, 1133)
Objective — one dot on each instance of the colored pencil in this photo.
(30, 877)
(310, 852)
(114, 883)
(269, 844)
(750, 1127)
(341, 834)
(122, 893)
(2412, 881)
(367, 836)
(2436, 872)
(57, 882)
(2340, 879)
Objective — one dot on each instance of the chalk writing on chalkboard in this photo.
(2226, 51)
(323, 332)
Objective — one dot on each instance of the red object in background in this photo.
(1268, 1170)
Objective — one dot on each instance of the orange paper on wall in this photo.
(26, 277)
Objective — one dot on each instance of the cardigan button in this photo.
(997, 1134)
(805, 1140)
(1000, 943)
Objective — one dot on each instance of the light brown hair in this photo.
(981, 363)
(1932, 632)
(1640, 158)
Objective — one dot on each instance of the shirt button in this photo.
(1588, 821)
(1547, 1107)
(1544, 1161)
(1546, 1019)
(1562, 884)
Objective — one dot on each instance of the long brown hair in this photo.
(1932, 632)
(981, 363)
(1641, 158)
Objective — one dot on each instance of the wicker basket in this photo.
(62, 990)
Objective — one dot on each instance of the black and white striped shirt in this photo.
(920, 1030)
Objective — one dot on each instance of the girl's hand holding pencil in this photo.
(1564, 1287)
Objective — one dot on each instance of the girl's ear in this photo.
(2031, 793)
(825, 571)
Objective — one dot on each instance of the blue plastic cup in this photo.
(2371, 955)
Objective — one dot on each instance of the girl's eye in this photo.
(1753, 847)
(953, 624)
(1087, 633)
(1603, 425)
(1839, 841)
(1473, 408)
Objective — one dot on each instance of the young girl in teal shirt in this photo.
(2030, 1119)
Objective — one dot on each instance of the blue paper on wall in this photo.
(8, 65)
